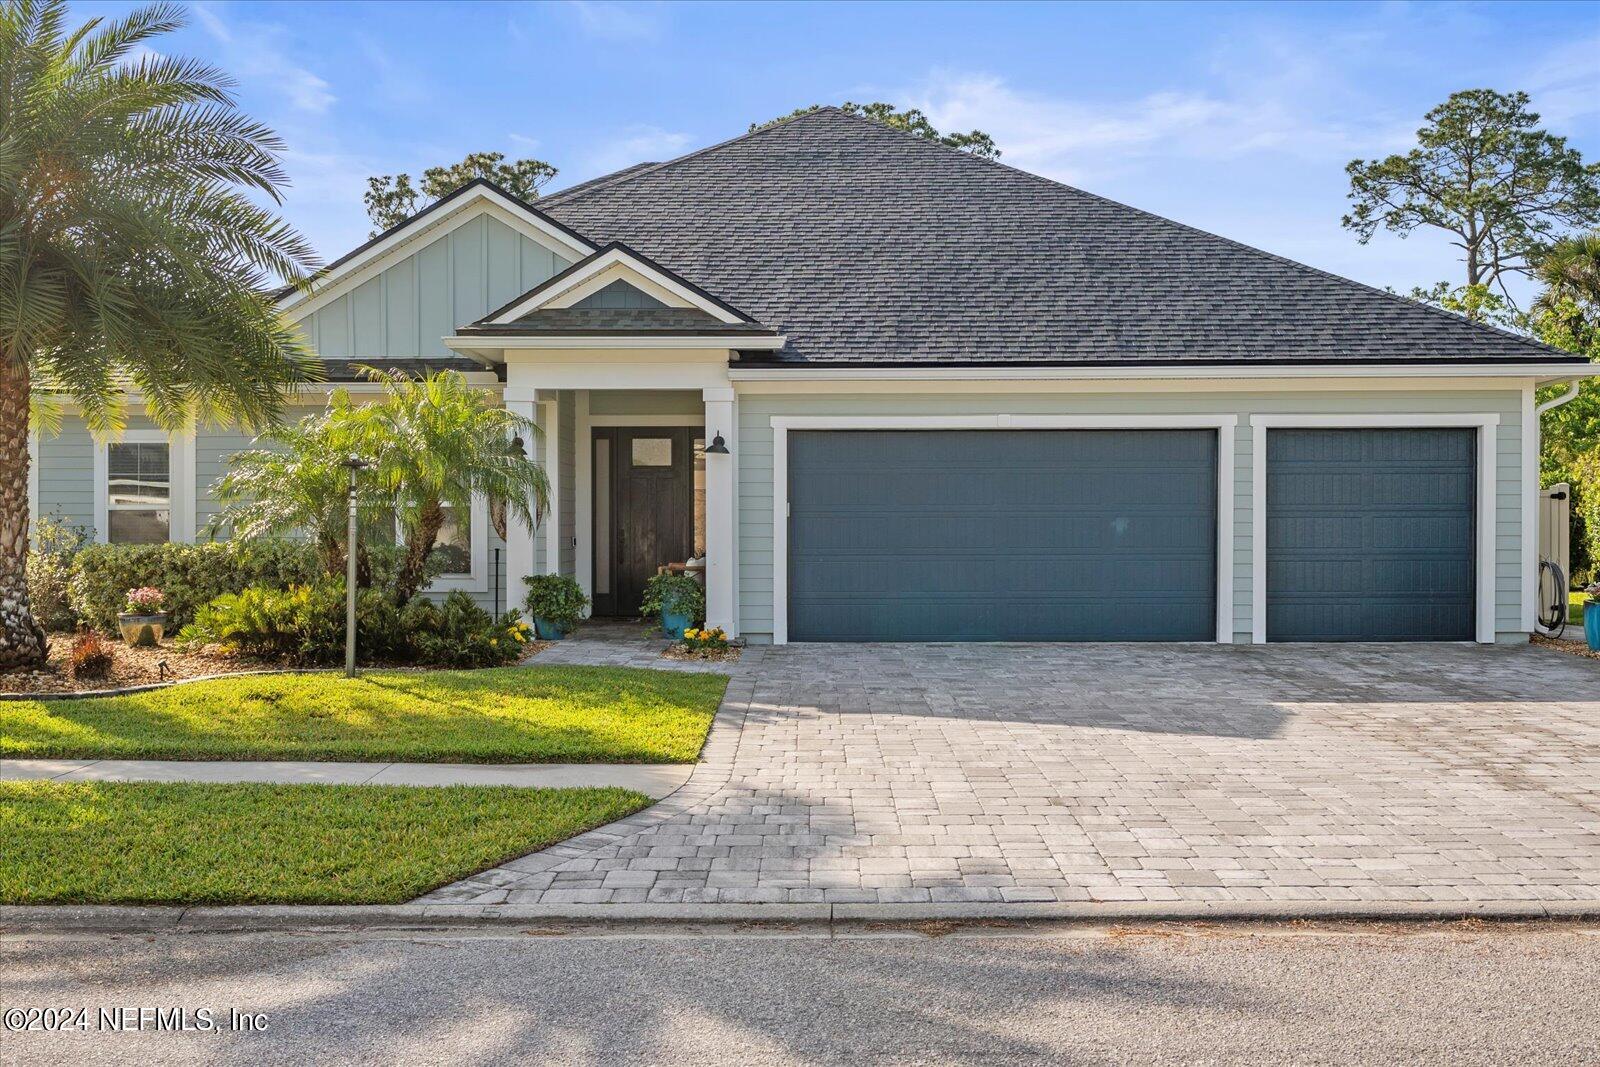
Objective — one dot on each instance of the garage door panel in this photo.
(1002, 535)
(1371, 534)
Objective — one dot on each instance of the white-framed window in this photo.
(144, 488)
(464, 546)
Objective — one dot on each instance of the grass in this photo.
(144, 843)
(1575, 602)
(509, 715)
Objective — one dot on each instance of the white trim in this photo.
(583, 493)
(1484, 422)
(180, 472)
(550, 440)
(1530, 511)
(604, 262)
(647, 420)
(730, 341)
(800, 375)
(781, 425)
(476, 580)
(722, 510)
(355, 271)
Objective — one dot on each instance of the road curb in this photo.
(112, 918)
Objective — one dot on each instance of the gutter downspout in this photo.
(1565, 398)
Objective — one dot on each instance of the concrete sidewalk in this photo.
(654, 780)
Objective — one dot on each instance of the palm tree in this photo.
(132, 259)
(295, 484)
(1568, 308)
(436, 442)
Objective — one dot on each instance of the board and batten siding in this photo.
(755, 465)
(408, 308)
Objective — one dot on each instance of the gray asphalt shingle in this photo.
(866, 245)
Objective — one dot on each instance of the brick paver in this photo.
(916, 773)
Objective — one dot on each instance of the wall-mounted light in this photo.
(717, 447)
(517, 446)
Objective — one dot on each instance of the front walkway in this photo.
(1182, 773)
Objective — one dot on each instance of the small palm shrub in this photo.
(303, 624)
(90, 656)
(458, 633)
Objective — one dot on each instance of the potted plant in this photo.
(1591, 615)
(143, 622)
(556, 603)
(677, 600)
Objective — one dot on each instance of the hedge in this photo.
(190, 575)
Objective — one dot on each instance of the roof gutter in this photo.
(1565, 398)
(1541, 372)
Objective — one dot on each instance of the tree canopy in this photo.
(132, 255)
(1485, 173)
(911, 120)
(391, 198)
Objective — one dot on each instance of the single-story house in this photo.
(890, 391)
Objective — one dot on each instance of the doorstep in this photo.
(654, 780)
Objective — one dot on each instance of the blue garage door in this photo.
(1370, 535)
(997, 535)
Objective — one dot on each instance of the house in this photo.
(893, 392)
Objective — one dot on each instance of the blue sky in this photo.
(1237, 118)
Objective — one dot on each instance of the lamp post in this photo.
(354, 465)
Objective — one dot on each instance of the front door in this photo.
(645, 516)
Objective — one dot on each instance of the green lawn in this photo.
(1575, 607)
(510, 715)
(145, 843)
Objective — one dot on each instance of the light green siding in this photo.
(406, 309)
(646, 402)
(755, 465)
(66, 475)
(211, 451)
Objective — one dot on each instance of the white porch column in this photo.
(550, 446)
(721, 510)
(519, 400)
(583, 494)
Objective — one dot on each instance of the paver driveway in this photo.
(883, 773)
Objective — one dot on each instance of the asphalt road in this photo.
(1446, 994)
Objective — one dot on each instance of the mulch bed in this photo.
(712, 655)
(1570, 647)
(129, 666)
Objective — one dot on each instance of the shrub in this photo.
(304, 625)
(556, 598)
(189, 575)
(90, 656)
(49, 572)
(712, 640)
(677, 592)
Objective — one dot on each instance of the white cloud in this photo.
(636, 144)
(259, 53)
(611, 21)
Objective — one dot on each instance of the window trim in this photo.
(181, 505)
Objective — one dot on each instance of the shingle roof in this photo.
(867, 245)
(580, 320)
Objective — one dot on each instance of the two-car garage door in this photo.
(1111, 535)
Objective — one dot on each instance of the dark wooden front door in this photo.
(650, 513)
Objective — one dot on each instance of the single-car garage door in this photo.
(1001, 535)
(1370, 535)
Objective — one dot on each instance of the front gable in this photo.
(401, 294)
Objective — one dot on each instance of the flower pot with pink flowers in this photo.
(143, 622)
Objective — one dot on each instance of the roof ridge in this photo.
(1294, 263)
(639, 171)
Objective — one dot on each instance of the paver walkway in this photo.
(653, 780)
(1109, 772)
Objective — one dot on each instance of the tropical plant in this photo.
(555, 598)
(392, 199)
(90, 655)
(434, 443)
(132, 256)
(297, 483)
(677, 593)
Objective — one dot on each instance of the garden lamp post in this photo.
(355, 466)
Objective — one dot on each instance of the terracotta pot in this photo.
(142, 631)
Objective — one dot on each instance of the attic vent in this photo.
(619, 294)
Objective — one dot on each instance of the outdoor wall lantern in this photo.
(717, 447)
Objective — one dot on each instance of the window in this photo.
(652, 451)
(453, 546)
(138, 493)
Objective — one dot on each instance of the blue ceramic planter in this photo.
(673, 624)
(1591, 625)
(547, 630)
